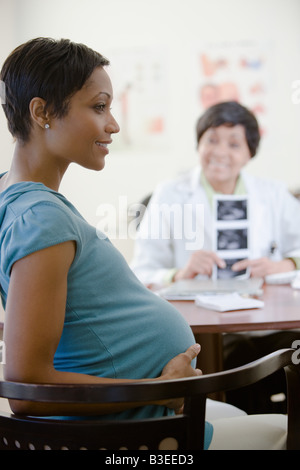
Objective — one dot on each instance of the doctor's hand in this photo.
(200, 262)
(262, 267)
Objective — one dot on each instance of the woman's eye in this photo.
(100, 107)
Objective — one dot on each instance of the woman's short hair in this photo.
(230, 113)
(49, 69)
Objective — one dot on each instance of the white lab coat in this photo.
(274, 216)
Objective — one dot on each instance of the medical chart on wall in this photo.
(141, 82)
(239, 71)
(144, 79)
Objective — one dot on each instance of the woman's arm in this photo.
(34, 320)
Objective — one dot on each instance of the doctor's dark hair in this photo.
(230, 113)
(49, 69)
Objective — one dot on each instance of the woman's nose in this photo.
(112, 126)
(220, 150)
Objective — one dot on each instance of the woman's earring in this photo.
(47, 126)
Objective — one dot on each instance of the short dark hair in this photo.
(230, 113)
(49, 69)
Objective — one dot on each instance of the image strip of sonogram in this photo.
(236, 209)
(232, 239)
(231, 233)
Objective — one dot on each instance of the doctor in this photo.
(175, 240)
(175, 236)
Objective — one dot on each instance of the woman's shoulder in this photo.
(31, 220)
(30, 208)
(25, 197)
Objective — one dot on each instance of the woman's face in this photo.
(223, 152)
(83, 135)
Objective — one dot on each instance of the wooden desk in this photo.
(281, 311)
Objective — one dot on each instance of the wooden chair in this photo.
(176, 432)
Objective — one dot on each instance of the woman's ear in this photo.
(39, 115)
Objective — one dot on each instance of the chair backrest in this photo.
(26, 433)
(179, 432)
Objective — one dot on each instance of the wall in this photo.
(175, 28)
(7, 42)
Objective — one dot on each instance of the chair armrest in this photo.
(145, 390)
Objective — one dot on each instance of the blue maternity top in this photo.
(114, 326)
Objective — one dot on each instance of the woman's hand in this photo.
(262, 267)
(180, 367)
(200, 262)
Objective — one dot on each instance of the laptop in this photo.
(190, 288)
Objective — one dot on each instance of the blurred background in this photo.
(170, 59)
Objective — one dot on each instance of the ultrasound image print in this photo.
(227, 273)
(236, 239)
(232, 210)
